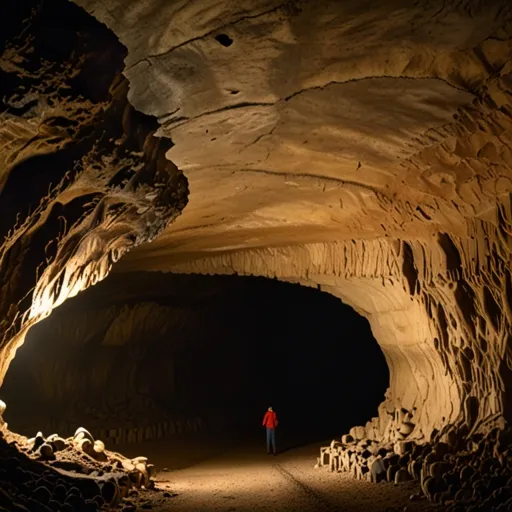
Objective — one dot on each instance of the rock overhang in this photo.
(345, 115)
(357, 147)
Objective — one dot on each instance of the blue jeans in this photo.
(271, 439)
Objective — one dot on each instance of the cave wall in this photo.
(82, 178)
(364, 148)
(311, 156)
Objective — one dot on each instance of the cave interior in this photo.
(208, 208)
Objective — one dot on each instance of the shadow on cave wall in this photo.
(136, 349)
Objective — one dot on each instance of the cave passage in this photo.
(209, 353)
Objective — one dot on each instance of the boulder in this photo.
(58, 444)
(86, 446)
(401, 476)
(402, 447)
(406, 428)
(357, 433)
(378, 470)
(99, 446)
(46, 451)
(82, 433)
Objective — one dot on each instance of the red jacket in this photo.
(270, 419)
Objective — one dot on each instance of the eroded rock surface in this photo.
(158, 355)
(82, 178)
(78, 474)
(363, 148)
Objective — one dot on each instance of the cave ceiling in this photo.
(304, 121)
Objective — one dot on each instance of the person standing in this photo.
(270, 422)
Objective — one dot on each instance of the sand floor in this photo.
(211, 476)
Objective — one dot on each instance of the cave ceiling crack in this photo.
(185, 120)
(288, 175)
(376, 77)
(259, 137)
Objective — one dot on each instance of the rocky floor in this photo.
(466, 472)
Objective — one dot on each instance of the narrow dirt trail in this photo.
(243, 478)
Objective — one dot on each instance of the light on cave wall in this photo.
(67, 284)
(41, 307)
(45, 299)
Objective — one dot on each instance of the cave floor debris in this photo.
(243, 478)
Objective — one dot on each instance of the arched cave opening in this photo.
(150, 355)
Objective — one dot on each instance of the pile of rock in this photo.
(45, 474)
(461, 471)
(82, 454)
(26, 485)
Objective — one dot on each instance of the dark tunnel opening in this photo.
(153, 356)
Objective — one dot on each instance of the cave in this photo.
(205, 353)
(351, 157)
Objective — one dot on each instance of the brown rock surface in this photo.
(82, 177)
(363, 148)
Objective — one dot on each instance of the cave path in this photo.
(243, 478)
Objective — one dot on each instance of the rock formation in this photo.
(78, 474)
(83, 179)
(362, 148)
